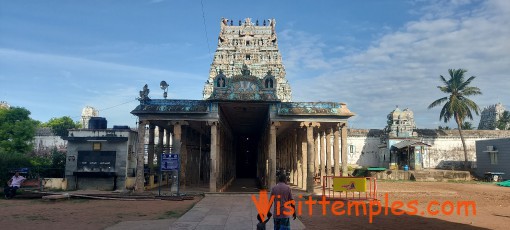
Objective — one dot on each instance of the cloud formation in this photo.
(402, 67)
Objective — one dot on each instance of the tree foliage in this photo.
(504, 121)
(60, 126)
(457, 105)
(443, 128)
(17, 130)
(467, 125)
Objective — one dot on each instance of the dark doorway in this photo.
(246, 157)
(247, 121)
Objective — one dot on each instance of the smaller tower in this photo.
(4, 105)
(401, 123)
(86, 114)
(490, 116)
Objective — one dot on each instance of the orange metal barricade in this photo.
(369, 192)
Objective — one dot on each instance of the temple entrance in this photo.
(247, 122)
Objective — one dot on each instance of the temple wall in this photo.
(446, 151)
(363, 150)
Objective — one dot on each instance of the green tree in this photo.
(443, 128)
(60, 126)
(467, 125)
(457, 104)
(504, 121)
(17, 130)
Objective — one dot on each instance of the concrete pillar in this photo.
(272, 153)
(344, 149)
(139, 185)
(328, 151)
(214, 153)
(150, 150)
(336, 151)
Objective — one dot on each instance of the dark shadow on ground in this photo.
(381, 221)
(243, 185)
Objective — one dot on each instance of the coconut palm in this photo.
(504, 121)
(457, 105)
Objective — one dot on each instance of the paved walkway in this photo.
(225, 212)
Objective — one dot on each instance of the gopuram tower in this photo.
(248, 45)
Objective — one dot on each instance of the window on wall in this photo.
(352, 148)
(493, 154)
(494, 158)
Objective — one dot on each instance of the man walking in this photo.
(282, 194)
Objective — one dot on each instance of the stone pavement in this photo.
(224, 211)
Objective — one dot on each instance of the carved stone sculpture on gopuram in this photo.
(253, 45)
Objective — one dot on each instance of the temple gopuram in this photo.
(246, 126)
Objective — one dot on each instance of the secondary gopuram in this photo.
(246, 126)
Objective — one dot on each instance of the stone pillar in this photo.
(214, 153)
(150, 157)
(177, 142)
(272, 153)
(300, 155)
(316, 153)
(294, 158)
(139, 185)
(309, 155)
(328, 151)
(344, 149)
(336, 151)
(323, 155)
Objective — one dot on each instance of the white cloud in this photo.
(403, 67)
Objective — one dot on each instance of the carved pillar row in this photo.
(344, 148)
(139, 184)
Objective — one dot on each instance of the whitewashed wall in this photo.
(447, 152)
(365, 151)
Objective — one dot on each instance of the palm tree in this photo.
(467, 125)
(504, 120)
(457, 105)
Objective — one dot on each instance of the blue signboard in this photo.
(169, 162)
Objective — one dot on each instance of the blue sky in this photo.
(57, 57)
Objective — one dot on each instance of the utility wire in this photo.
(205, 27)
(111, 107)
